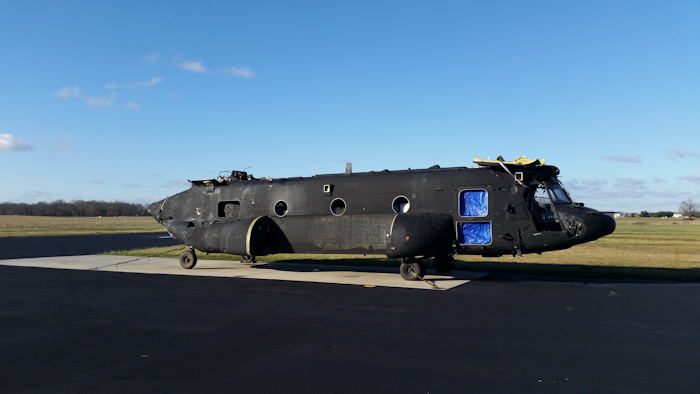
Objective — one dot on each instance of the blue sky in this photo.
(127, 100)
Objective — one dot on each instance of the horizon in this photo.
(145, 205)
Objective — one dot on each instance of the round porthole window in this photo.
(338, 207)
(401, 204)
(281, 208)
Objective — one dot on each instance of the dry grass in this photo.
(26, 226)
(639, 248)
(658, 249)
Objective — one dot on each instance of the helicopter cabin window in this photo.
(229, 209)
(473, 203)
(338, 207)
(474, 233)
(543, 212)
(559, 195)
(401, 204)
(281, 208)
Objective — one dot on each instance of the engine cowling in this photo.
(250, 236)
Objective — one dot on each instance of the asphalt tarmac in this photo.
(74, 245)
(78, 331)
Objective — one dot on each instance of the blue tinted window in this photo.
(474, 233)
(473, 203)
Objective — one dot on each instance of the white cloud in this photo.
(632, 193)
(622, 189)
(132, 186)
(198, 66)
(627, 159)
(695, 178)
(8, 142)
(63, 144)
(105, 101)
(586, 186)
(100, 101)
(192, 66)
(630, 183)
(674, 153)
(68, 92)
(150, 82)
(152, 57)
(135, 85)
(246, 72)
(595, 182)
(175, 96)
(96, 181)
(176, 183)
(626, 194)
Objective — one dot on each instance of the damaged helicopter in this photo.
(492, 209)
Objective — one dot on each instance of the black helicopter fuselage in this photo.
(436, 212)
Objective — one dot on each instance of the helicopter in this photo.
(495, 208)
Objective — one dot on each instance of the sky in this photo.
(127, 100)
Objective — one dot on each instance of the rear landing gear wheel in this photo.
(246, 259)
(443, 264)
(188, 259)
(411, 269)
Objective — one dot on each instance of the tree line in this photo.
(660, 214)
(688, 210)
(74, 208)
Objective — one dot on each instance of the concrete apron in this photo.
(317, 273)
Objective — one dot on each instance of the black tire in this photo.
(246, 259)
(412, 268)
(444, 264)
(188, 259)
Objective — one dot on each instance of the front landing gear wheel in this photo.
(411, 269)
(246, 259)
(444, 264)
(188, 259)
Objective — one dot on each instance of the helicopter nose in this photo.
(154, 209)
(607, 224)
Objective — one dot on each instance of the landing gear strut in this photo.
(443, 264)
(412, 268)
(188, 259)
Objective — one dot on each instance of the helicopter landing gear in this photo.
(412, 268)
(188, 259)
(247, 259)
(443, 264)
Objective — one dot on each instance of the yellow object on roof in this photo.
(520, 161)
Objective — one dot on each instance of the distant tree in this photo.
(74, 208)
(688, 208)
(662, 214)
(645, 214)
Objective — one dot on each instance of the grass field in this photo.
(27, 226)
(640, 248)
